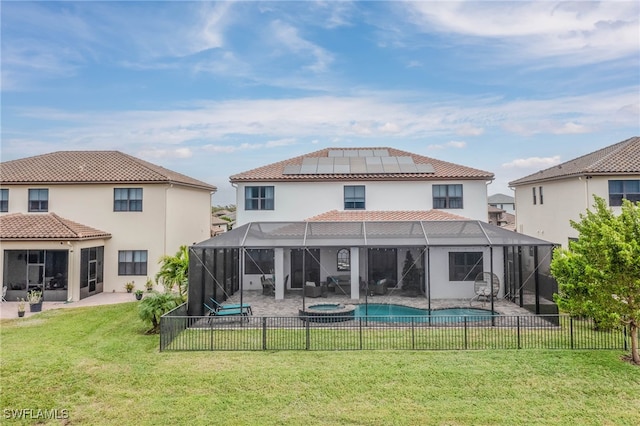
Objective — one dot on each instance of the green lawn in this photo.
(98, 364)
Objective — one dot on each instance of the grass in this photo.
(99, 365)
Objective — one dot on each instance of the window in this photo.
(540, 192)
(258, 261)
(464, 266)
(447, 196)
(258, 197)
(534, 195)
(4, 200)
(132, 262)
(627, 189)
(127, 199)
(354, 197)
(38, 200)
(344, 260)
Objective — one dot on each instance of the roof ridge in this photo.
(63, 223)
(615, 149)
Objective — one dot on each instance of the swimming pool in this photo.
(398, 313)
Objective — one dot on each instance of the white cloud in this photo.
(533, 162)
(288, 37)
(469, 130)
(450, 144)
(571, 32)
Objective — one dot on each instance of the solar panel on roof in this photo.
(380, 152)
(336, 153)
(365, 153)
(425, 168)
(291, 169)
(355, 162)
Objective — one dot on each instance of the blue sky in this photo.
(211, 89)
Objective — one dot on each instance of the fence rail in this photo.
(194, 333)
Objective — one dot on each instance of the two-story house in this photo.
(548, 200)
(355, 219)
(350, 179)
(77, 223)
(503, 202)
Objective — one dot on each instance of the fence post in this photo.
(264, 333)
(571, 330)
(465, 333)
(211, 335)
(306, 326)
(518, 328)
(413, 333)
(360, 330)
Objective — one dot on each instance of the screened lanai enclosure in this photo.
(426, 259)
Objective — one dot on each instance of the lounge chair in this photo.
(486, 286)
(4, 293)
(226, 312)
(226, 306)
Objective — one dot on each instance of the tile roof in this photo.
(90, 167)
(618, 159)
(501, 199)
(443, 170)
(45, 226)
(383, 216)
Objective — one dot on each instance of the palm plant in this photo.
(155, 305)
(174, 272)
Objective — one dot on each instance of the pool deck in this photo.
(268, 306)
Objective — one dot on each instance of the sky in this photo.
(211, 89)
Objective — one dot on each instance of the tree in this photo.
(174, 272)
(410, 275)
(599, 275)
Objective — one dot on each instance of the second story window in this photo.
(447, 196)
(259, 197)
(38, 200)
(127, 199)
(540, 193)
(534, 195)
(354, 197)
(4, 200)
(627, 189)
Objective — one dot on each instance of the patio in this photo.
(267, 306)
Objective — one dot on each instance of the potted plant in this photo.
(21, 306)
(149, 285)
(138, 294)
(129, 286)
(35, 301)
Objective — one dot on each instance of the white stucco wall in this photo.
(296, 201)
(171, 215)
(564, 200)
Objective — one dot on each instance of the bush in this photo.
(155, 305)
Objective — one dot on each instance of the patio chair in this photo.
(311, 290)
(268, 287)
(4, 293)
(226, 312)
(225, 306)
(485, 286)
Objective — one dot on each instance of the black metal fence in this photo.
(179, 332)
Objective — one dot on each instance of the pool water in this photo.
(398, 313)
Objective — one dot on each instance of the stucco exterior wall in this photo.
(171, 215)
(295, 201)
(564, 200)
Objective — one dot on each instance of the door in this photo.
(311, 267)
(383, 263)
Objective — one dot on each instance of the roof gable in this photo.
(439, 170)
(621, 158)
(91, 167)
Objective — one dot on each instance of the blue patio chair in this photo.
(226, 312)
(226, 306)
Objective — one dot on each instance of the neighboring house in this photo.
(501, 218)
(346, 219)
(548, 200)
(218, 225)
(503, 202)
(77, 223)
(368, 179)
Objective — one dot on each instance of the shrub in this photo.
(155, 305)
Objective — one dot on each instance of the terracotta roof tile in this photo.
(45, 226)
(383, 216)
(443, 170)
(90, 167)
(618, 159)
